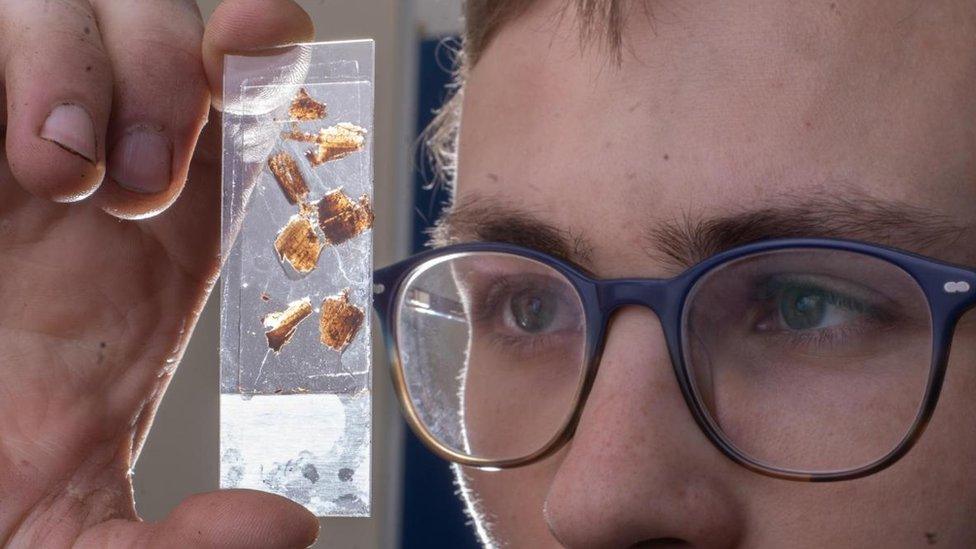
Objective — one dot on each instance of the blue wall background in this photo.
(432, 512)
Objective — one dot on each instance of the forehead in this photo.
(722, 106)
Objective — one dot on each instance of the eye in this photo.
(808, 306)
(803, 309)
(524, 308)
(533, 310)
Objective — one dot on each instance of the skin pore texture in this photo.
(749, 119)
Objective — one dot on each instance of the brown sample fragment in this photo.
(265, 296)
(298, 244)
(303, 107)
(281, 325)
(340, 321)
(286, 171)
(334, 203)
(336, 142)
(296, 134)
(341, 219)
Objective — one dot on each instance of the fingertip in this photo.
(133, 206)
(49, 169)
(53, 149)
(244, 518)
(140, 182)
(239, 26)
(57, 81)
(157, 115)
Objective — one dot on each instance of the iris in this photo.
(533, 311)
(803, 308)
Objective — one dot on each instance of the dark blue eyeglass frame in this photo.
(949, 289)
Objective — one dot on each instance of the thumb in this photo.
(239, 26)
(228, 518)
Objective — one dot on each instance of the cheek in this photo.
(932, 488)
(513, 406)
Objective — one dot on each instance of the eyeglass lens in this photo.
(812, 360)
(492, 349)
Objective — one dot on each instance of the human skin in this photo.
(719, 109)
(95, 311)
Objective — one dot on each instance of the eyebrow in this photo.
(852, 216)
(483, 219)
(693, 237)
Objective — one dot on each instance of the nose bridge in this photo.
(653, 293)
(636, 441)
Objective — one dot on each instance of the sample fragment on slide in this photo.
(296, 134)
(295, 333)
(289, 177)
(298, 244)
(332, 143)
(340, 321)
(303, 107)
(342, 219)
(282, 325)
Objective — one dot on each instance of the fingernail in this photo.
(141, 161)
(71, 127)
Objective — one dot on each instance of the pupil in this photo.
(532, 312)
(803, 309)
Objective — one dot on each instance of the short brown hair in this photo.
(600, 20)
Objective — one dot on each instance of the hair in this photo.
(599, 21)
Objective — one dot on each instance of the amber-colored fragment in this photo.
(281, 325)
(296, 134)
(303, 107)
(337, 142)
(265, 296)
(340, 321)
(342, 219)
(298, 244)
(286, 171)
(334, 203)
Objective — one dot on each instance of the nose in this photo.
(639, 472)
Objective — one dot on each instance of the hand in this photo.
(106, 259)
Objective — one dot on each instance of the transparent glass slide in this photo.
(296, 292)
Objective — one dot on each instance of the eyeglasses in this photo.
(801, 359)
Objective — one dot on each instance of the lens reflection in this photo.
(492, 350)
(809, 360)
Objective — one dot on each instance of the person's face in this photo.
(731, 120)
